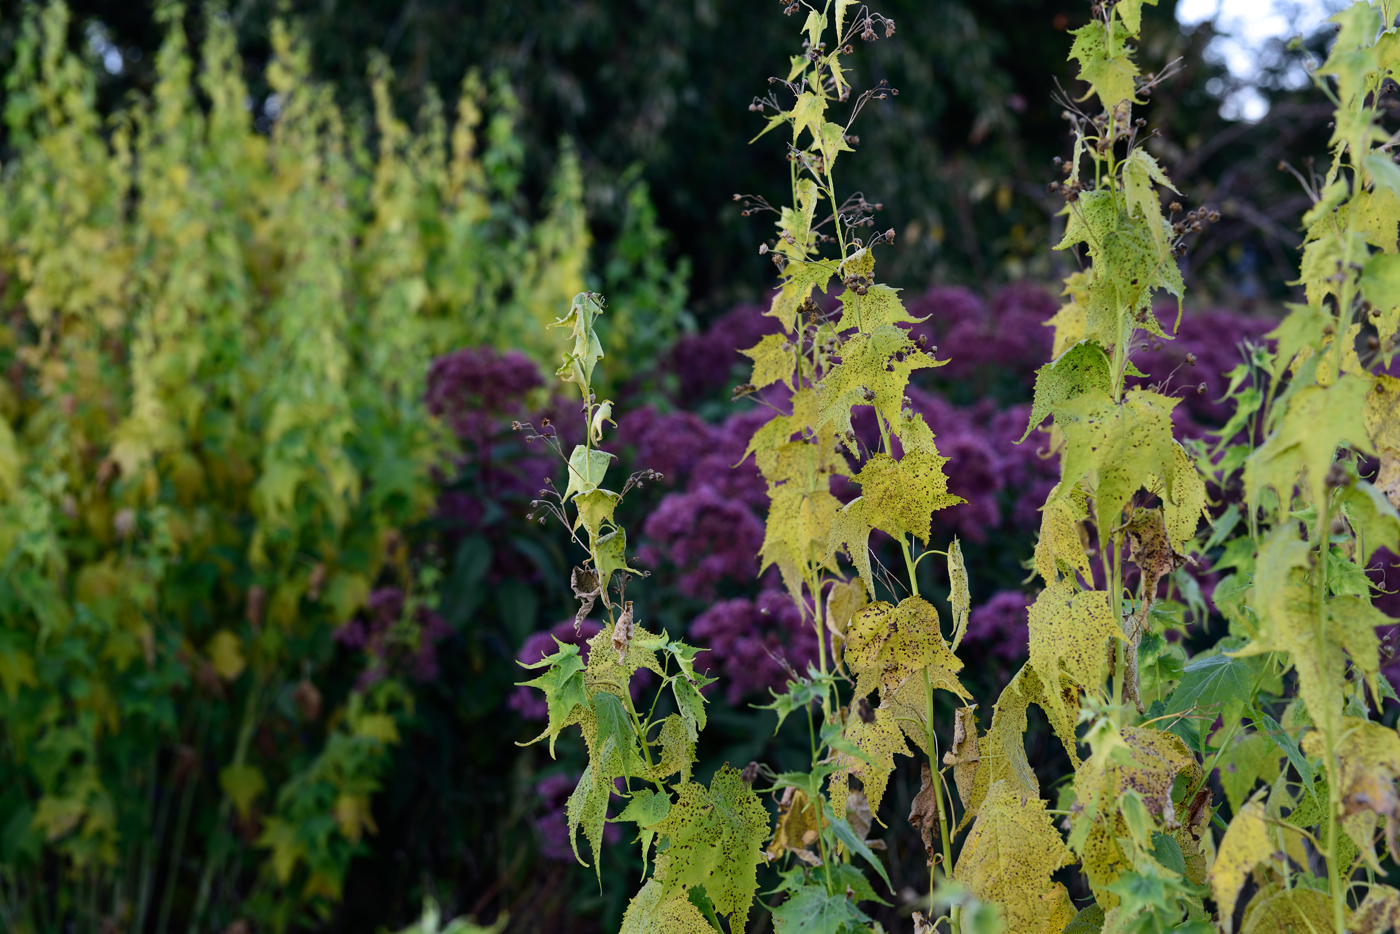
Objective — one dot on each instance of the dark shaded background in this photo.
(959, 160)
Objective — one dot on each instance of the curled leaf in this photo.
(622, 633)
(923, 813)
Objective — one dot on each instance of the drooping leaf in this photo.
(650, 911)
(1083, 368)
(1010, 855)
(1245, 845)
(1070, 632)
(959, 596)
(880, 741)
(886, 645)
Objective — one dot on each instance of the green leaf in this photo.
(1215, 684)
(1081, 369)
(563, 688)
(1270, 727)
(1104, 61)
(609, 555)
(716, 837)
(691, 704)
(646, 809)
(587, 467)
(853, 842)
(811, 910)
(614, 731)
(1317, 422)
(242, 784)
(959, 596)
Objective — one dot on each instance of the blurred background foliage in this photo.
(275, 282)
(658, 92)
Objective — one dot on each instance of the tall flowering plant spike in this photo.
(703, 844)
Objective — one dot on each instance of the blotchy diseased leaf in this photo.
(879, 306)
(1104, 61)
(797, 286)
(1369, 755)
(1186, 506)
(1070, 631)
(1118, 449)
(958, 593)
(1302, 449)
(1158, 758)
(1003, 747)
(1246, 845)
(845, 600)
(1382, 417)
(963, 755)
(1060, 549)
(1287, 912)
(880, 740)
(1283, 600)
(795, 830)
(677, 750)
(1010, 854)
(716, 840)
(587, 810)
(1150, 548)
(900, 496)
(1083, 368)
(773, 361)
(650, 912)
(1378, 912)
(850, 530)
(885, 645)
(878, 363)
(923, 813)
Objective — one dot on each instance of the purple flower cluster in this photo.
(705, 362)
(472, 390)
(1007, 334)
(1000, 625)
(753, 639)
(711, 531)
(393, 642)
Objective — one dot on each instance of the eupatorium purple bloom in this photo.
(749, 639)
(394, 643)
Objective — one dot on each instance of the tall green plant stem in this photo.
(815, 801)
(1334, 787)
(934, 776)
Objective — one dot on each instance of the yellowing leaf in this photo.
(900, 496)
(1010, 854)
(799, 280)
(881, 741)
(773, 360)
(354, 816)
(1070, 632)
(1060, 548)
(1317, 422)
(1378, 912)
(958, 594)
(1002, 754)
(885, 645)
(1246, 845)
(1117, 449)
(874, 370)
(225, 652)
